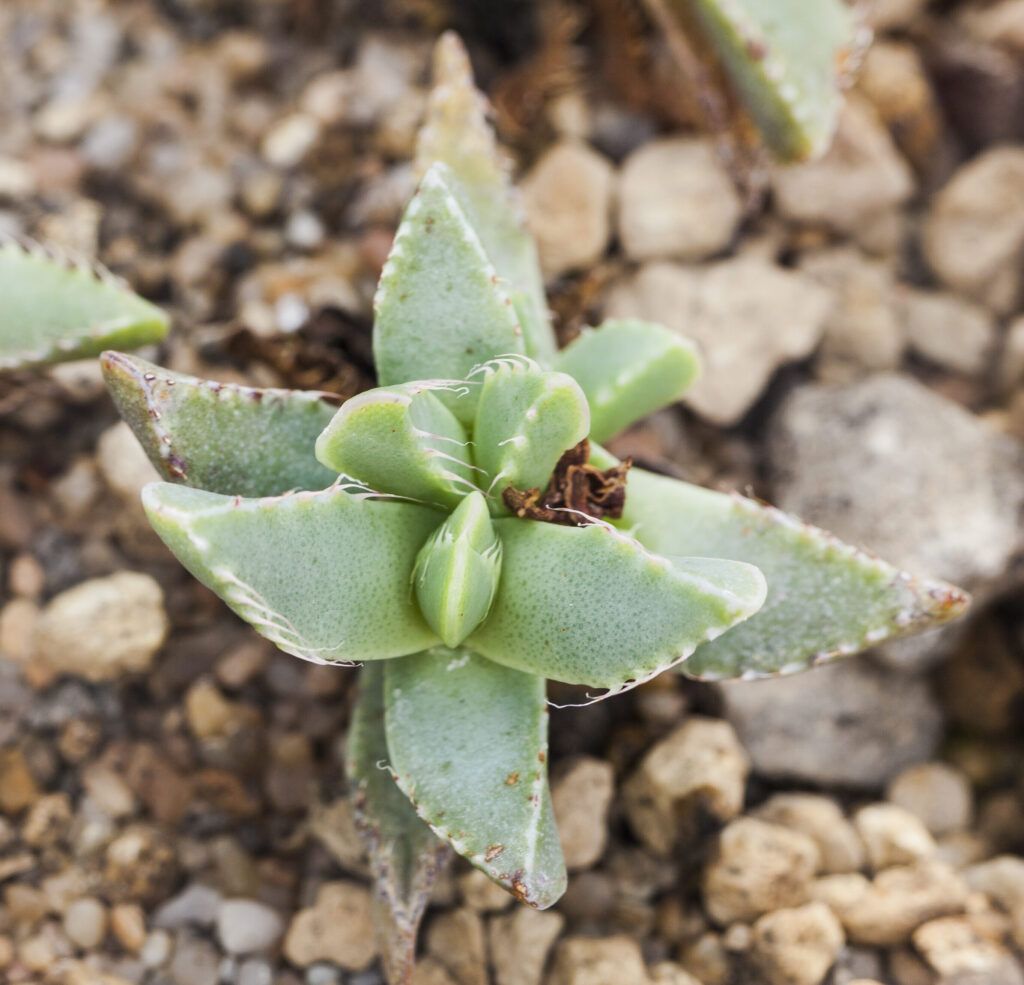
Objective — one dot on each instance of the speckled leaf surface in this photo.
(589, 605)
(405, 855)
(456, 133)
(785, 59)
(225, 438)
(825, 600)
(52, 310)
(526, 419)
(400, 440)
(628, 369)
(440, 307)
(468, 743)
(323, 575)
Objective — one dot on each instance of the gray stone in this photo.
(848, 724)
(747, 315)
(195, 961)
(255, 971)
(676, 200)
(196, 905)
(947, 330)
(247, 927)
(889, 465)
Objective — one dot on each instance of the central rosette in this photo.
(484, 447)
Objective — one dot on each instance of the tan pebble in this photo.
(18, 620)
(430, 971)
(708, 960)
(520, 943)
(85, 923)
(26, 577)
(821, 819)
(893, 836)
(456, 939)
(18, 788)
(797, 946)
(128, 922)
(670, 973)
(598, 961)
(36, 953)
(580, 798)
(337, 928)
(483, 894)
(939, 794)
(6, 951)
(48, 820)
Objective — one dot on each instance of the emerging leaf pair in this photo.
(421, 529)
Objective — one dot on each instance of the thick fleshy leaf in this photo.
(826, 599)
(53, 308)
(628, 369)
(468, 742)
(323, 575)
(225, 438)
(405, 855)
(785, 59)
(526, 419)
(457, 571)
(401, 440)
(589, 605)
(440, 306)
(456, 133)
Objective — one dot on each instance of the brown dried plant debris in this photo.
(578, 493)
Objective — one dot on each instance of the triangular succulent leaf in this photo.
(784, 58)
(456, 132)
(628, 369)
(457, 571)
(526, 419)
(468, 743)
(323, 575)
(402, 440)
(222, 437)
(53, 308)
(589, 605)
(405, 855)
(826, 599)
(440, 307)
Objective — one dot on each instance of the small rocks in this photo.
(520, 943)
(973, 237)
(1001, 879)
(104, 627)
(892, 835)
(85, 923)
(821, 819)
(937, 793)
(695, 775)
(952, 947)
(210, 714)
(796, 946)
(676, 201)
(128, 924)
(338, 928)
(947, 330)
(124, 464)
(580, 798)
(600, 961)
(758, 867)
(248, 927)
(195, 961)
(290, 140)
(747, 315)
(567, 196)
(140, 866)
(196, 905)
(456, 940)
(18, 788)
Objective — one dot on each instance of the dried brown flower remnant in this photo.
(578, 493)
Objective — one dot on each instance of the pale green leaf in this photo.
(526, 419)
(785, 59)
(324, 575)
(457, 571)
(468, 743)
(221, 437)
(628, 369)
(456, 132)
(440, 306)
(405, 855)
(401, 440)
(53, 309)
(589, 605)
(825, 600)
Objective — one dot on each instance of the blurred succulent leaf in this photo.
(440, 306)
(526, 418)
(323, 575)
(457, 571)
(785, 59)
(405, 855)
(456, 133)
(628, 369)
(589, 605)
(53, 309)
(467, 740)
(400, 439)
(222, 437)
(825, 600)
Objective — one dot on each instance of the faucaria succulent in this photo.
(460, 533)
(57, 307)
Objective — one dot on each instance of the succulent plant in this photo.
(456, 531)
(56, 307)
(785, 59)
